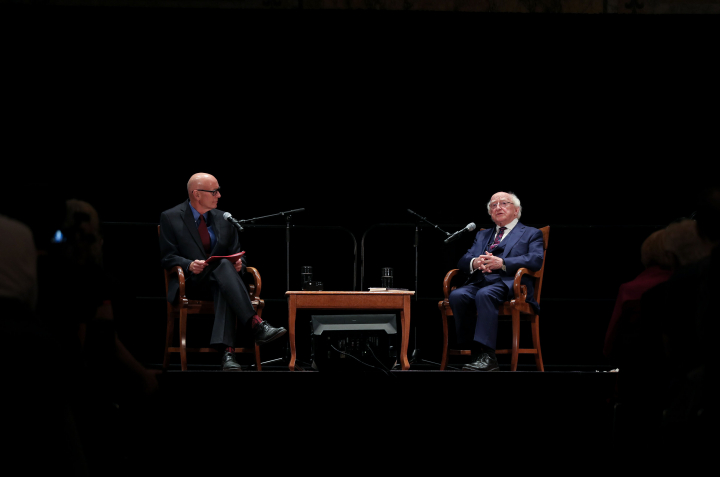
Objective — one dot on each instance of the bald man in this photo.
(190, 233)
(491, 263)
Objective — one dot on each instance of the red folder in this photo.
(233, 258)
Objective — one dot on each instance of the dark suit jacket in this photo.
(180, 243)
(521, 248)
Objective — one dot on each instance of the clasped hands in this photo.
(199, 265)
(486, 263)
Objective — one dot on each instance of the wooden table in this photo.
(355, 301)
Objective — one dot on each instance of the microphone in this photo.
(469, 227)
(228, 216)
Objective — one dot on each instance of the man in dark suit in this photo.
(193, 231)
(491, 263)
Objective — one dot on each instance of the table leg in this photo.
(405, 326)
(292, 306)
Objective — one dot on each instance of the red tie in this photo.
(498, 238)
(204, 234)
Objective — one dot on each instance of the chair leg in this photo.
(535, 324)
(258, 311)
(515, 339)
(183, 336)
(444, 361)
(168, 338)
(257, 356)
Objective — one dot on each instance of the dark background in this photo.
(598, 124)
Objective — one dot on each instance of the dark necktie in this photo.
(498, 238)
(204, 234)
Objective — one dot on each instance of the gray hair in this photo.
(515, 201)
(682, 240)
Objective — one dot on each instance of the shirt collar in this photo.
(196, 214)
(508, 227)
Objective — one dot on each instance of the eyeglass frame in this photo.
(213, 192)
(495, 205)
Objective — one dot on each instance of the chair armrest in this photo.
(177, 270)
(447, 282)
(255, 288)
(521, 290)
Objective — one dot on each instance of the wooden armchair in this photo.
(515, 311)
(187, 307)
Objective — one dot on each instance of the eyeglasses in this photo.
(502, 204)
(213, 192)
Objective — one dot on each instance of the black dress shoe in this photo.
(229, 363)
(483, 363)
(264, 333)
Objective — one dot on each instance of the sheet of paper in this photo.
(233, 258)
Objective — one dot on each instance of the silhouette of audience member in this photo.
(658, 264)
(674, 303)
(75, 307)
(694, 405)
(680, 250)
(662, 363)
(35, 416)
(18, 284)
(75, 299)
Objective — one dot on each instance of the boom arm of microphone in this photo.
(424, 219)
(287, 212)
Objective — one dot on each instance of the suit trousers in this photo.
(475, 307)
(230, 297)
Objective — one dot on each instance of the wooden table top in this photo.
(391, 292)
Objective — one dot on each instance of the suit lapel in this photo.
(192, 228)
(509, 242)
(485, 239)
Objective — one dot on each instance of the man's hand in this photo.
(479, 263)
(238, 265)
(198, 266)
(487, 263)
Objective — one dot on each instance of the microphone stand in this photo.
(417, 243)
(415, 356)
(288, 216)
